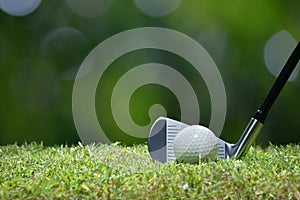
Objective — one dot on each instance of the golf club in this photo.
(164, 130)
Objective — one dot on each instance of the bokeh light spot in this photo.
(65, 47)
(19, 8)
(276, 52)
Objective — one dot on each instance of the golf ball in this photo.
(194, 143)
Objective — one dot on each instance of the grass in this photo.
(32, 171)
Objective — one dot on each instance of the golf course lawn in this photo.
(34, 171)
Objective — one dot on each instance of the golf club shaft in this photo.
(256, 123)
(284, 75)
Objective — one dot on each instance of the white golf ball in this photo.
(195, 142)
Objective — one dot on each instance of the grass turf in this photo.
(32, 171)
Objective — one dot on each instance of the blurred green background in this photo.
(40, 52)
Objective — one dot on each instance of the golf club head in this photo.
(161, 140)
(164, 131)
(227, 150)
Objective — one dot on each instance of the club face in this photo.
(162, 136)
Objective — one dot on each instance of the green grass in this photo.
(33, 171)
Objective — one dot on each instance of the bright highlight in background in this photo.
(91, 8)
(157, 8)
(277, 50)
(19, 7)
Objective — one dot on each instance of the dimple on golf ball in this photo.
(195, 142)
